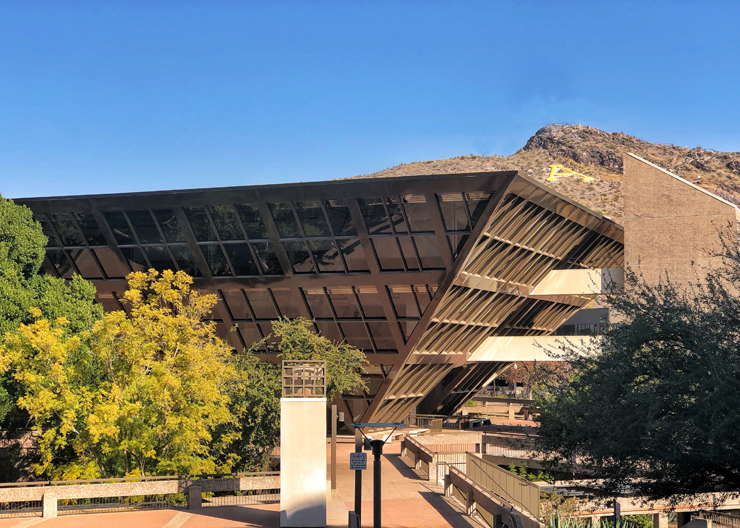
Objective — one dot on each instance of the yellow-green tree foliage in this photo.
(138, 395)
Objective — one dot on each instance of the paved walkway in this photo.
(407, 501)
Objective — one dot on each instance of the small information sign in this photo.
(357, 461)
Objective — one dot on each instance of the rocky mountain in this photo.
(594, 153)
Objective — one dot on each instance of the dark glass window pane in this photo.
(160, 258)
(318, 303)
(373, 385)
(144, 227)
(477, 202)
(407, 327)
(67, 230)
(409, 252)
(90, 229)
(373, 212)
(185, 260)
(110, 303)
(237, 304)
(168, 223)
(428, 250)
(226, 223)
(285, 220)
(356, 335)
(112, 265)
(286, 303)
(202, 228)
(399, 224)
(48, 268)
(454, 211)
(48, 231)
(252, 221)
(299, 256)
(135, 259)
(345, 304)
(370, 301)
(329, 330)
(340, 218)
(85, 262)
(354, 255)
(215, 259)
(241, 259)
(456, 243)
(404, 301)
(250, 333)
(417, 212)
(381, 332)
(423, 295)
(312, 219)
(326, 255)
(267, 258)
(262, 305)
(389, 256)
(60, 262)
(121, 230)
(266, 329)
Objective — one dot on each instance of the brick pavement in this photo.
(407, 501)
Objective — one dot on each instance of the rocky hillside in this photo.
(595, 153)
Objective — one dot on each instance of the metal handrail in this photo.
(138, 479)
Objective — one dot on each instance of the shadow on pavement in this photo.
(454, 515)
(251, 516)
(403, 468)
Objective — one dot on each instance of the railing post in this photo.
(195, 497)
(469, 503)
(49, 505)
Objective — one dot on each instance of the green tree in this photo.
(656, 405)
(139, 394)
(22, 244)
(297, 341)
(255, 393)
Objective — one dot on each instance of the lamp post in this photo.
(377, 447)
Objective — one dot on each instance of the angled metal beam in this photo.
(187, 232)
(449, 279)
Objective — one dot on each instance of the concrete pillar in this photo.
(195, 497)
(49, 505)
(682, 518)
(510, 408)
(302, 462)
(660, 520)
(469, 503)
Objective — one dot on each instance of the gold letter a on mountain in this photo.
(558, 171)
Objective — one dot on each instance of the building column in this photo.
(682, 518)
(195, 497)
(660, 520)
(49, 505)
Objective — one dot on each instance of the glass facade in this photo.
(374, 263)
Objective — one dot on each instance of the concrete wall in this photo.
(303, 462)
(670, 223)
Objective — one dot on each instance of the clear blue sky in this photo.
(139, 95)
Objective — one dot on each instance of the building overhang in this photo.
(527, 348)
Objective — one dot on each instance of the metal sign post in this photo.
(377, 446)
(358, 480)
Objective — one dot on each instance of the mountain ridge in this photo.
(594, 153)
